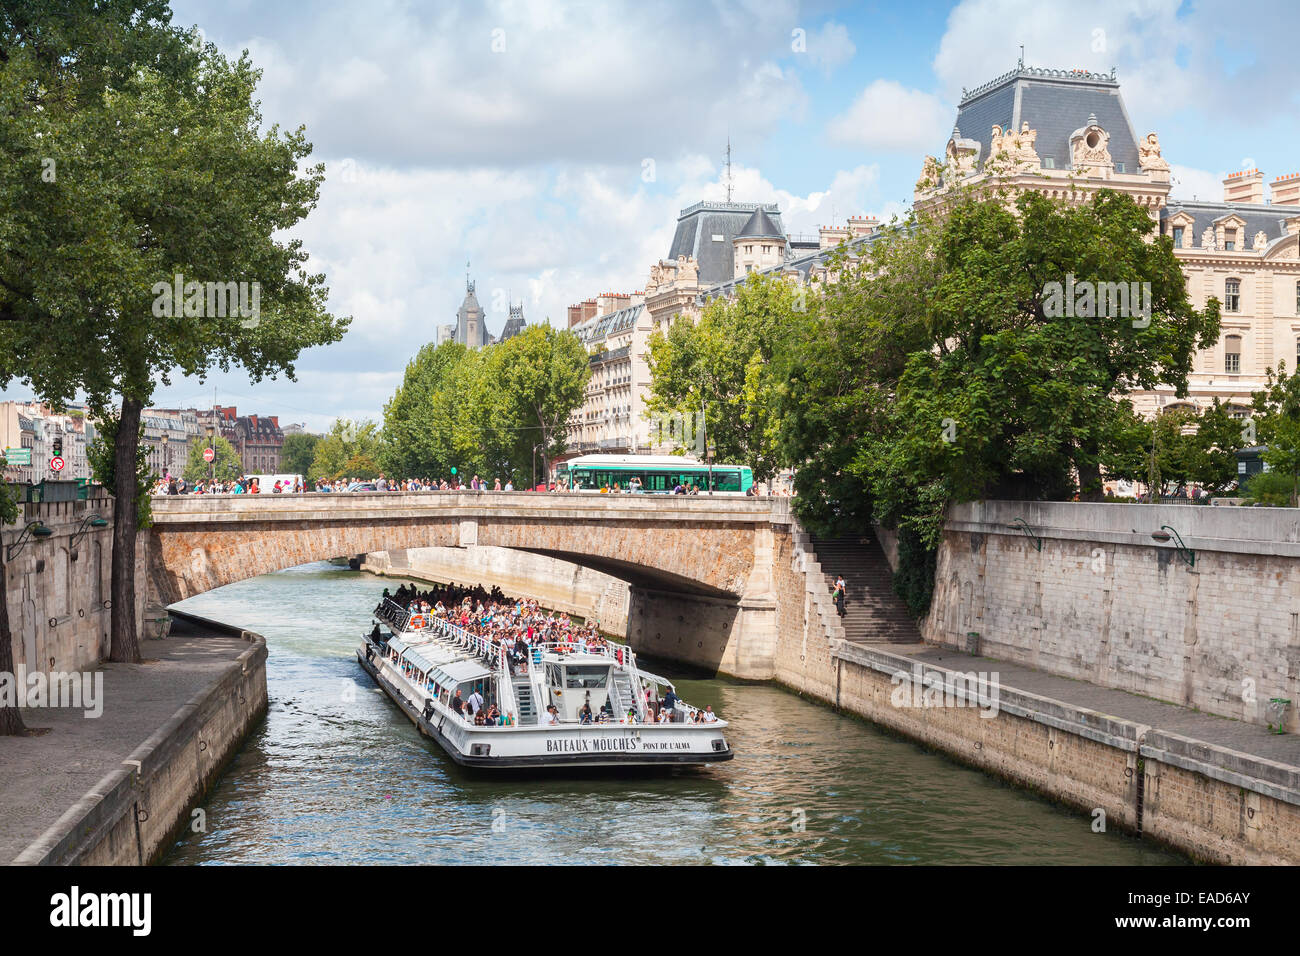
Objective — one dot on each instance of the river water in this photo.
(337, 774)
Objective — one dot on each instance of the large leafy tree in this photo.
(349, 450)
(722, 365)
(492, 411)
(527, 389)
(225, 466)
(131, 155)
(11, 718)
(1277, 421)
(298, 452)
(1008, 395)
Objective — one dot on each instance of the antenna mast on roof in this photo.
(728, 167)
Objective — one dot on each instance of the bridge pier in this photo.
(727, 635)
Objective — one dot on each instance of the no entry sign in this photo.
(209, 454)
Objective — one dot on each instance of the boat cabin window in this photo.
(588, 676)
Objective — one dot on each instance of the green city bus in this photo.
(655, 474)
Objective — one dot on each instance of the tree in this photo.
(485, 411)
(11, 718)
(527, 389)
(419, 420)
(226, 466)
(298, 452)
(141, 210)
(1277, 423)
(349, 450)
(723, 365)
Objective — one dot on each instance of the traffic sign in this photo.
(56, 463)
(18, 456)
(209, 454)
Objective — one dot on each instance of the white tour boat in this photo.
(424, 661)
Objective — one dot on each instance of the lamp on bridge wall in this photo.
(36, 529)
(1020, 524)
(1167, 533)
(92, 520)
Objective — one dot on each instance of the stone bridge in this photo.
(700, 568)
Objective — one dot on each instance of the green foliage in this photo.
(485, 411)
(723, 363)
(1273, 488)
(1277, 421)
(99, 454)
(914, 579)
(8, 499)
(298, 452)
(349, 450)
(225, 467)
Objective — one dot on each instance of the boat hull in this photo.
(569, 746)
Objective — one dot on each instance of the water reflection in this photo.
(338, 775)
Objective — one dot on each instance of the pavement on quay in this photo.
(1254, 739)
(42, 776)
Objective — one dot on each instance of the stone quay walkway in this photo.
(43, 776)
(1252, 739)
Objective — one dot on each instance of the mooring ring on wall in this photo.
(106, 603)
(203, 745)
(54, 622)
(81, 612)
(141, 814)
(1128, 772)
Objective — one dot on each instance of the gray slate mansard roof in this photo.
(698, 224)
(1053, 102)
(1270, 220)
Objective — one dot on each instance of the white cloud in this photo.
(831, 46)
(1188, 183)
(889, 116)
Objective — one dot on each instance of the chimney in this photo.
(863, 225)
(588, 309)
(575, 315)
(1285, 190)
(1246, 186)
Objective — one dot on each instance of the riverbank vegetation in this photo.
(498, 412)
(937, 367)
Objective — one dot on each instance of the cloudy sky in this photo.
(551, 145)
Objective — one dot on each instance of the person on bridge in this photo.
(838, 594)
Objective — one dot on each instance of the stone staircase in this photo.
(873, 612)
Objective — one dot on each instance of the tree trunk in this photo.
(1090, 485)
(11, 718)
(125, 647)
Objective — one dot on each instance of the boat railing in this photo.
(493, 654)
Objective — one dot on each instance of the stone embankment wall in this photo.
(1103, 601)
(135, 812)
(1038, 608)
(556, 584)
(59, 596)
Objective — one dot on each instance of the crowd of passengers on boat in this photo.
(517, 626)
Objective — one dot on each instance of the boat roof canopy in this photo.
(459, 672)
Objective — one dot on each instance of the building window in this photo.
(1229, 240)
(1119, 167)
(1232, 295)
(1232, 354)
(1297, 298)
(1049, 162)
(1178, 237)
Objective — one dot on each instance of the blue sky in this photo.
(552, 144)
